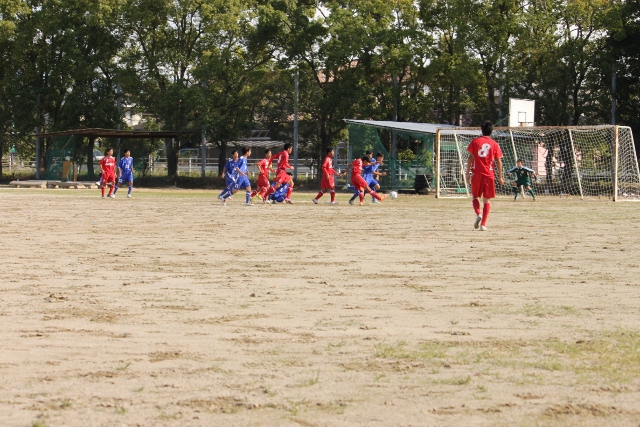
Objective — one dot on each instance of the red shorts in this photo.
(282, 176)
(327, 182)
(483, 186)
(358, 182)
(263, 181)
(108, 178)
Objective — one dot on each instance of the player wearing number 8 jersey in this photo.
(483, 151)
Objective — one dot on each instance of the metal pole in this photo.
(118, 123)
(462, 165)
(295, 126)
(437, 168)
(616, 149)
(575, 163)
(38, 128)
(203, 141)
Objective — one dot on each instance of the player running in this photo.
(242, 180)
(264, 167)
(523, 178)
(108, 169)
(483, 151)
(281, 169)
(229, 173)
(359, 183)
(125, 172)
(327, 182)
(371, 175)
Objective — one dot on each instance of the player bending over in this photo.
(359, 183)
(264, 167)
(327, 182)
(108, 169)
(523, 178)
(283, 192)
(125, 172)
(371, 175)
(483, 151)
(281, 169)
(230, 174)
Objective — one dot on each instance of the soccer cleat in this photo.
(128, 196)
(345, 187)
(288, 201)
(375, 201)
(98, 183)
(477, 223)
(102, 197)
(333, 203)
(260, 196)
(351, 202)
(248, 204)
(315, 201)
(219, 197)
(361, 203)
(113, 196)
(483, 228)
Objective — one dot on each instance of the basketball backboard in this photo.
(521, 112)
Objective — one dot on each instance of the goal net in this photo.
(585, 161)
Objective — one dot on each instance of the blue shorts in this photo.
(243, 182)
(231, 182)
(372, 183)
(125, 178)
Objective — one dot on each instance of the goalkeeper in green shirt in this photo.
(523, 178)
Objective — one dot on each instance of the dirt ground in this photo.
(168, 309)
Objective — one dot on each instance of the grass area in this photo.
(612, 357)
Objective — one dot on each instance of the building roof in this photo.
(422, 128)
(114, 133)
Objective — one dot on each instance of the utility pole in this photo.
(613, 93)
(203, 140)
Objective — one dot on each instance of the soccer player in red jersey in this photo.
(483, 151)
(327, 183)
(264, 167)
(358, 181)
(281, 169)
(108, 168)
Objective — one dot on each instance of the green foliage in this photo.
(406, 155)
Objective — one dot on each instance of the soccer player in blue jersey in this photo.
(242, 181)
(370, 174)
(230, 174)
(280, 195)
(125, 172)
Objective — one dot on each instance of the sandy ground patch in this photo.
(168, 309)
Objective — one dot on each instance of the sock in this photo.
(532, 193)
(110, 190)
(320, 194)
(102, 189)
(289, 191)
(333, 195)
(130, 188)
(263, 192)
(272, 189)
(223, 195)
(375, 195)
(485, 213)
(476, 206)
(356, 194)
(248, 197)
(361, 196)
(115, 190)
(253, 193)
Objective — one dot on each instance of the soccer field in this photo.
(169, 309)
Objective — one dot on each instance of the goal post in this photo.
(575, 162)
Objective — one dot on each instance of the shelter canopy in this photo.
(420, 128)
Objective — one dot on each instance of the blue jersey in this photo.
(230, 169)
(126, 165)
(280, 194)
(367, 172)
(242, 164)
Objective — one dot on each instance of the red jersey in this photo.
(264, 166)
(108, 165)
(283, 160)
(327, 167)
(485, 150)
(356, 168)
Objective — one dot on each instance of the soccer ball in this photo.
(393, 195)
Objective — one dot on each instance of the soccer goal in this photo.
(581, 161)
